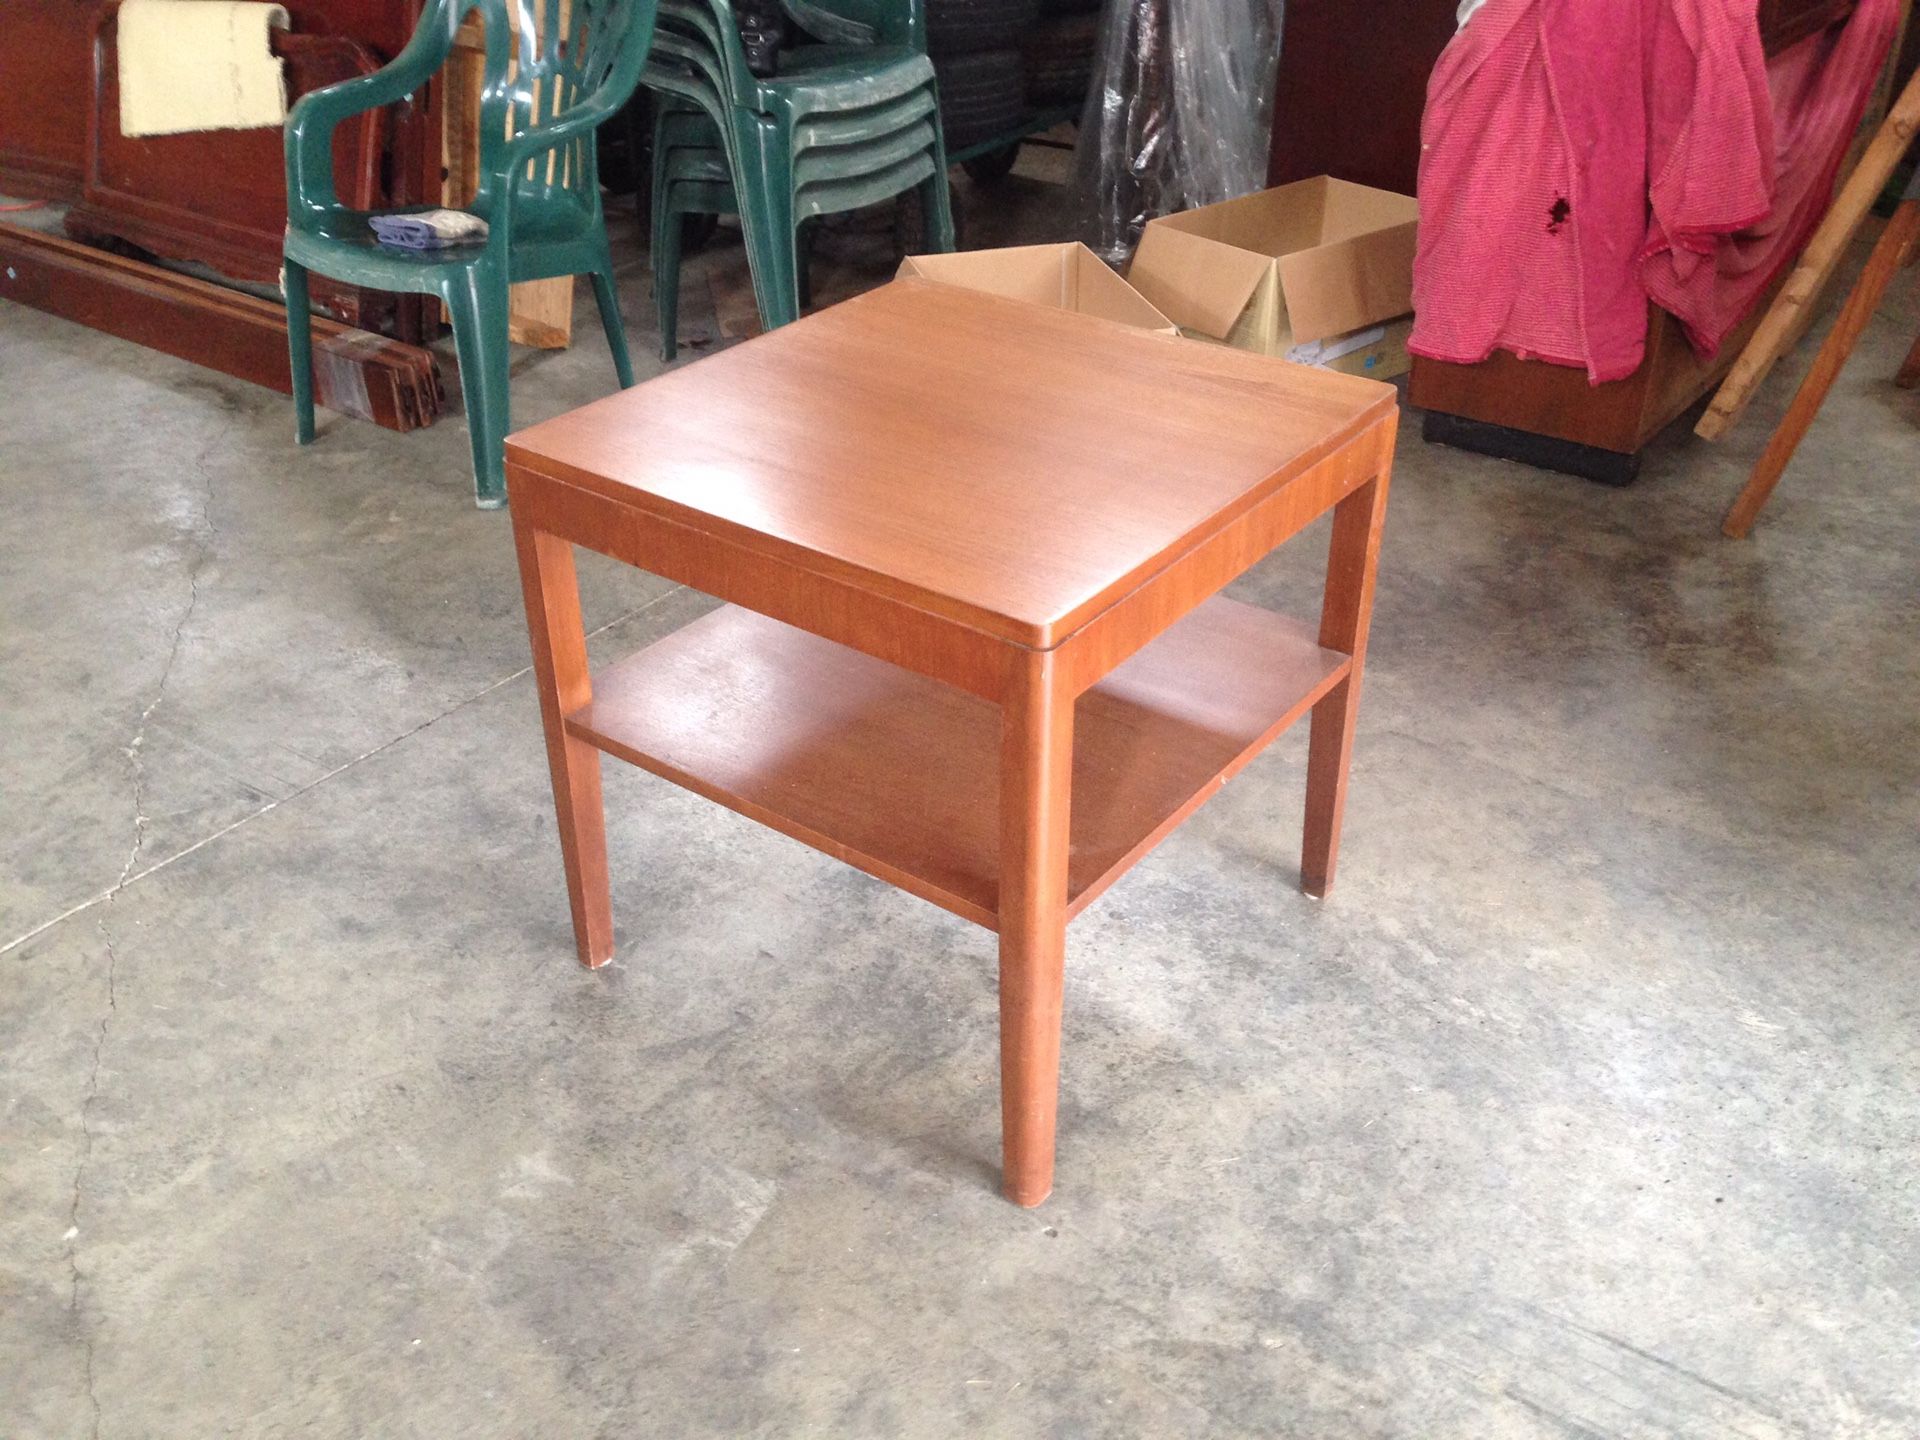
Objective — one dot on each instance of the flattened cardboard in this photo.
(1288, 266)
(1066, 277)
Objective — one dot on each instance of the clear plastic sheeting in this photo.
(1179, 115)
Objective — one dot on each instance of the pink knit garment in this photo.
(1580, 159)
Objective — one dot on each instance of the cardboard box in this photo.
(1066, 277)
(1318, 263)
(1378, 352)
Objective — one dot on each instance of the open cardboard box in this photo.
(1313, 268)
(1067, 277)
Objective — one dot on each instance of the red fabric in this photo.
(1580, 158)
(1817, 91)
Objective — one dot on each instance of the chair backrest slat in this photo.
(543, 59)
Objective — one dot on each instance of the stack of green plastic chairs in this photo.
(848, 122)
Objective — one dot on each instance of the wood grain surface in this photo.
(859, 448)
(897, 775)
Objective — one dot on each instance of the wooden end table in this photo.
(973, 645)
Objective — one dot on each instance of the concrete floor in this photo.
(1585, 1107)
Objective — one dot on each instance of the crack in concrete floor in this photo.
(125, 880)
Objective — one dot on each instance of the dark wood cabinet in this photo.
(215, 197)
(1353, 81)
(45, 71)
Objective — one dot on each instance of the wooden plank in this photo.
(898, 775)
(1887, 258)
(540, 313)
(355, 372)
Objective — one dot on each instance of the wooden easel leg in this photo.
(1352, 560)
(1036, 770)
(560, 674)
(1909, 375)
(1813, 391)
(1815, 265)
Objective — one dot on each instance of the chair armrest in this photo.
(313, 119)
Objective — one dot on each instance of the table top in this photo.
(1009, 466)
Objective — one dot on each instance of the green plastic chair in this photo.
(846, 123)
(883, 134)
(695, 180)
(828, 95)
(542, 97)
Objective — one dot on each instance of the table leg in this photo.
(560, 674)
(1345, 612)
(1036, 771)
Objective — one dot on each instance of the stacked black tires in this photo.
(1059, 52)
(976, 49)
(1000, 64)
(1001, 61)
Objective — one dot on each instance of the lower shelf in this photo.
(899, 775)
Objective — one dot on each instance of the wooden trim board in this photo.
(355, 372)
